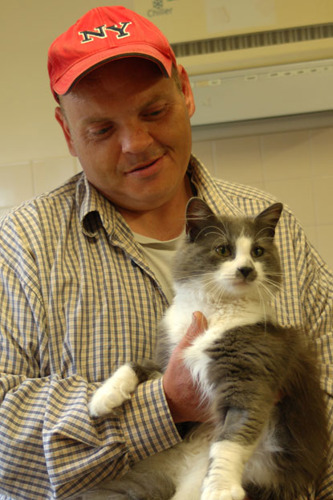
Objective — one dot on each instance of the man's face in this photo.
(129, 126)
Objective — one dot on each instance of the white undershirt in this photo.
(159, 255)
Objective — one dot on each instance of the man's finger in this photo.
(197, 327)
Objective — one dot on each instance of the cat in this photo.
(267, 436)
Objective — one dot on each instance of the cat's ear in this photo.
(197, 214)
(269, 218)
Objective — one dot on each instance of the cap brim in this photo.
(88, 64)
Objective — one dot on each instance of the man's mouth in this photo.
(142, 167)
(145, 167)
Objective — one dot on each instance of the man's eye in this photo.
(99, 128)
(155, 112)
(223, 250)
(102, 131)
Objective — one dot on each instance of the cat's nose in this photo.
(245, 270)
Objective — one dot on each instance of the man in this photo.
(85, 270)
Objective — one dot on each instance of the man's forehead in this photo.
(106, 88)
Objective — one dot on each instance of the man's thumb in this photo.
(197, 327)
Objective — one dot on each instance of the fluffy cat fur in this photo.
(267, 435)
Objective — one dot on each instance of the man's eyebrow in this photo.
(151, 101)
(91, 120)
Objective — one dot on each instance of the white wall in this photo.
(295, 164)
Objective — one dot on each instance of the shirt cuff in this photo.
(147, 423)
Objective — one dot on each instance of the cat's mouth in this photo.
(242, 286)
(242, 282)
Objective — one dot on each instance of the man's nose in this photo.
(135, 139)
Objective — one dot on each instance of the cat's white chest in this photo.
(179, 315)
(220, 317)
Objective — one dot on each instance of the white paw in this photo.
(115, 390)
(222, 492)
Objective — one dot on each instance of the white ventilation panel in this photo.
(263, 92)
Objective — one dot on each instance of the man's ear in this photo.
(61, 119)
(186, 89)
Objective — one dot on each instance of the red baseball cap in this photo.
(101, 35)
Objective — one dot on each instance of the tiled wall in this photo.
(294, 165)
(24, 180)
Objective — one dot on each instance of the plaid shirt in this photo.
(77, 300)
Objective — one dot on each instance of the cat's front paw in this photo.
(213, 491)
(114, 392)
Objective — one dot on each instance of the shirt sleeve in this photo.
(316, 299)
(318, 304)
(49, 446)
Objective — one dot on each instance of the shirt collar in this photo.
(95, 210)
(208, 189)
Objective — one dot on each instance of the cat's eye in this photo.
(223, 250)
(257, 252)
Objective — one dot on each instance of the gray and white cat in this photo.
(268, 433)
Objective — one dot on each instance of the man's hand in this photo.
(180, 390)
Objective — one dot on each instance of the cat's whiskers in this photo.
(216, 230)
(263, 303)
(212, 288)
(267, 297)
(274, 286)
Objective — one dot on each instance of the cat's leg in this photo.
(119, 387)
(190, 480)
(115, 390)
(224, 477)
(228, 455)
